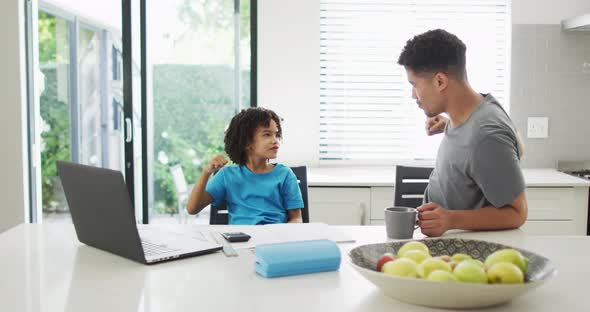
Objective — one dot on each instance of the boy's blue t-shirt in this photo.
(256, 198)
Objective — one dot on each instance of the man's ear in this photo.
(442, 81)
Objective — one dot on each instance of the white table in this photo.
(45, 268)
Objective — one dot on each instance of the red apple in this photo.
(384, 259)
(445, 258)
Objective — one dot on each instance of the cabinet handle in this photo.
(362, 211)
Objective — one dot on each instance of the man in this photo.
(477, 183)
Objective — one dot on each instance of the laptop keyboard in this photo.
(150, 249)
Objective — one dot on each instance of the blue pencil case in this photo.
(292, 258)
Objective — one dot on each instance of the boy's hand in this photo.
(215, 164)
(436, 125)
(434, 220)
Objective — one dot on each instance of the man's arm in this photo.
(295, 216)
(435, 220)
(491, 218)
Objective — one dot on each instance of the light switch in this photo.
(538, 127)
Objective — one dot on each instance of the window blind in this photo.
(366, 110)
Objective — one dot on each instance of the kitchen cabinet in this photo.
(557, 210)
(339, 205)
(552, 210)
(381, 198)
(557, 203)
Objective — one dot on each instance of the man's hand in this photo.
(436, 125)
(434, 220)
(215, 164)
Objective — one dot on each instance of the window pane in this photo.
(89, 94)
(80, 95)
(194, 92)
(54, 101)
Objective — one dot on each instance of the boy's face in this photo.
(265, 143)
(427, 90)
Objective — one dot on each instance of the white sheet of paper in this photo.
(260, 234)
(280, 233)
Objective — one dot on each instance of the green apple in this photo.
(433, 264)
(505, 273)
(403, 267)
(478, 262)
(458, 257)
(413, 245)
(508, 255)
(470, 272)
(386, 257)
(441, 276)
(417, 255)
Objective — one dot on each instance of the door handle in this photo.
(128, 130)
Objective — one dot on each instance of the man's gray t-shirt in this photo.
(477, 163)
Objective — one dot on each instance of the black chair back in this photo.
(301, 174)
(410, 184)
(220, 215)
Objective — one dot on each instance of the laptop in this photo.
(104, 218)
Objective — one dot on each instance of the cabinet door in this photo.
(339, 205)
(381, 198)
(557, 210)
(551, 203)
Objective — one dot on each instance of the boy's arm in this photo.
(436, 220)
(199, 198)
(295, 216)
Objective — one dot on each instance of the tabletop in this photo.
(43, 267)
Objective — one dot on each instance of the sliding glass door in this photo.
(76, 95)
(143, 87)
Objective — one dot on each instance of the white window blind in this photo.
(367, 114)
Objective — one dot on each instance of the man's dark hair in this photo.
(240, 132)
(435, 51)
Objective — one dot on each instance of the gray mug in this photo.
(400, 222)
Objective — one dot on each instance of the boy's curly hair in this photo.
(435, 51)
(240, 132)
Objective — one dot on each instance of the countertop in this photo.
(45, 268)
(385, 176)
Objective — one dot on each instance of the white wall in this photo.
(289, 73)
(288, 63)
(547, 11)
(12, 164)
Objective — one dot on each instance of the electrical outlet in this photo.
(538, 127)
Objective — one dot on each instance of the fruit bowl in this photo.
(456, 295)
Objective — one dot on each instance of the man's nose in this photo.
(414, 96)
